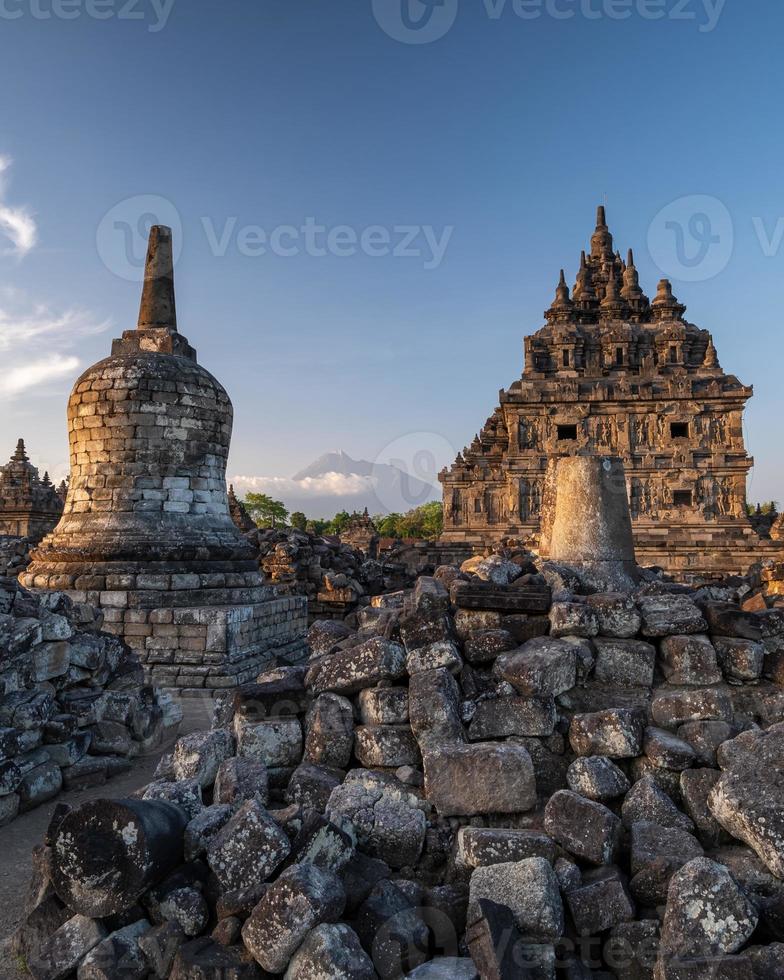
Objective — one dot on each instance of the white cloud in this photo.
(34, 344)
(16, 223)
(328, 485)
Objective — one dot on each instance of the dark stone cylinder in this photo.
(106, 853)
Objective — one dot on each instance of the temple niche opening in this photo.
(614, 373)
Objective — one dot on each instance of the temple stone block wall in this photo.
(614, 374)
(29, 504)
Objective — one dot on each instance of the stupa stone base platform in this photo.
(191, 631)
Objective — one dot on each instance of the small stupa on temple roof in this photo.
(239, 514)
(361, 533)
(146, 532)
(29, 504)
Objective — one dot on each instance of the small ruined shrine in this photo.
(361, 534)
(146, 533)
(29, 504)
(613, 373)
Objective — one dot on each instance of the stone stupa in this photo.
(146, 533)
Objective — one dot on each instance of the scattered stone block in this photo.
(513, 715)
(199, 755)
(573, 619)
(601, 902)
(583, 827)
(657, 852)
(670, 615)
(486, 777)
(616, 613)
(672, 708)
(248, 848)
(388, 746)
(597, 778)
(484, 645)
(689, 660)
(276, 742)
(666, 750)
(311, 786)
(331, 950)
(615, 732)
(434, 708)
(384, 706)
(478, 847)
(542, 666)
(392, 931)
(238, 780)
(329, 728)
(707, 913)
(648, 802)
(365, 665)
(529, 888)
(740, 659)
(60, 954)
(302, 898)
(629, 663)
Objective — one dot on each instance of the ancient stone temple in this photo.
(615, 374)
(239, 514)
(146, 533)
(29, 505)
(361, 534)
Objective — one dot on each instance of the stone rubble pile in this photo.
(335, 577)
(73, 706)
(492, 775)
(14, 555)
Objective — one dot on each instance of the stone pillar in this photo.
(587, 524)
(146, 533)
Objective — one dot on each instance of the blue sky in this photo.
(492, 143)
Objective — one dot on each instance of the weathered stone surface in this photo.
(204, 959)
(331, 950)
(388, 746)
(597, 778)
(434, 708)
(299, 900)
(705, 737)
(670, 615)
(695, 787)
(740, 659)
(494, 941)
(748, 798)
(348, 671)
(384, 705)
(615, 732)
(625, 662)
(573, 619)
(322, 843)
(583, 827)
(329, 728)
(60, 954)
(442, 653)
(446, 968)
(118, 957)
(529, 888)
(238, 780)
(601, 902)
(707, 914)
(479, 847)
(185, 794)
(387, 819)
(485, 777)
(188, 908)
(671, 708)
(646, 801)
(324, 635)
(513, 715)
(727, 619)
(657, 852)
(276, 742)
(198, 755)
(616, 613)
(248, 848)
(540, 667)
(484, 645)
(689, 660)
(631, 949)
(392, 931)
(200, 831)
(666, 750)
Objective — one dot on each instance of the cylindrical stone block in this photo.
(106, 853)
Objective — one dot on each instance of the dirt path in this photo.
(18, 838)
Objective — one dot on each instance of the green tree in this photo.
(265, 511)
(339, 522)
(298, 520)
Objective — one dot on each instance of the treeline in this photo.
(426, 521)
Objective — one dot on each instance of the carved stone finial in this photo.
(562, 305)
(666, 306)
(20, 455)
(158, 308)
(601, 240)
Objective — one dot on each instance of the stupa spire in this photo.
(157, 308)
(562, 306)
(601, 240)
(20, 456)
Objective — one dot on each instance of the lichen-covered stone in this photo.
(583, 827)
(597, 778)
(529, 888)
(614, 732)
(248, 848)
(542, 666)
(485, 777)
